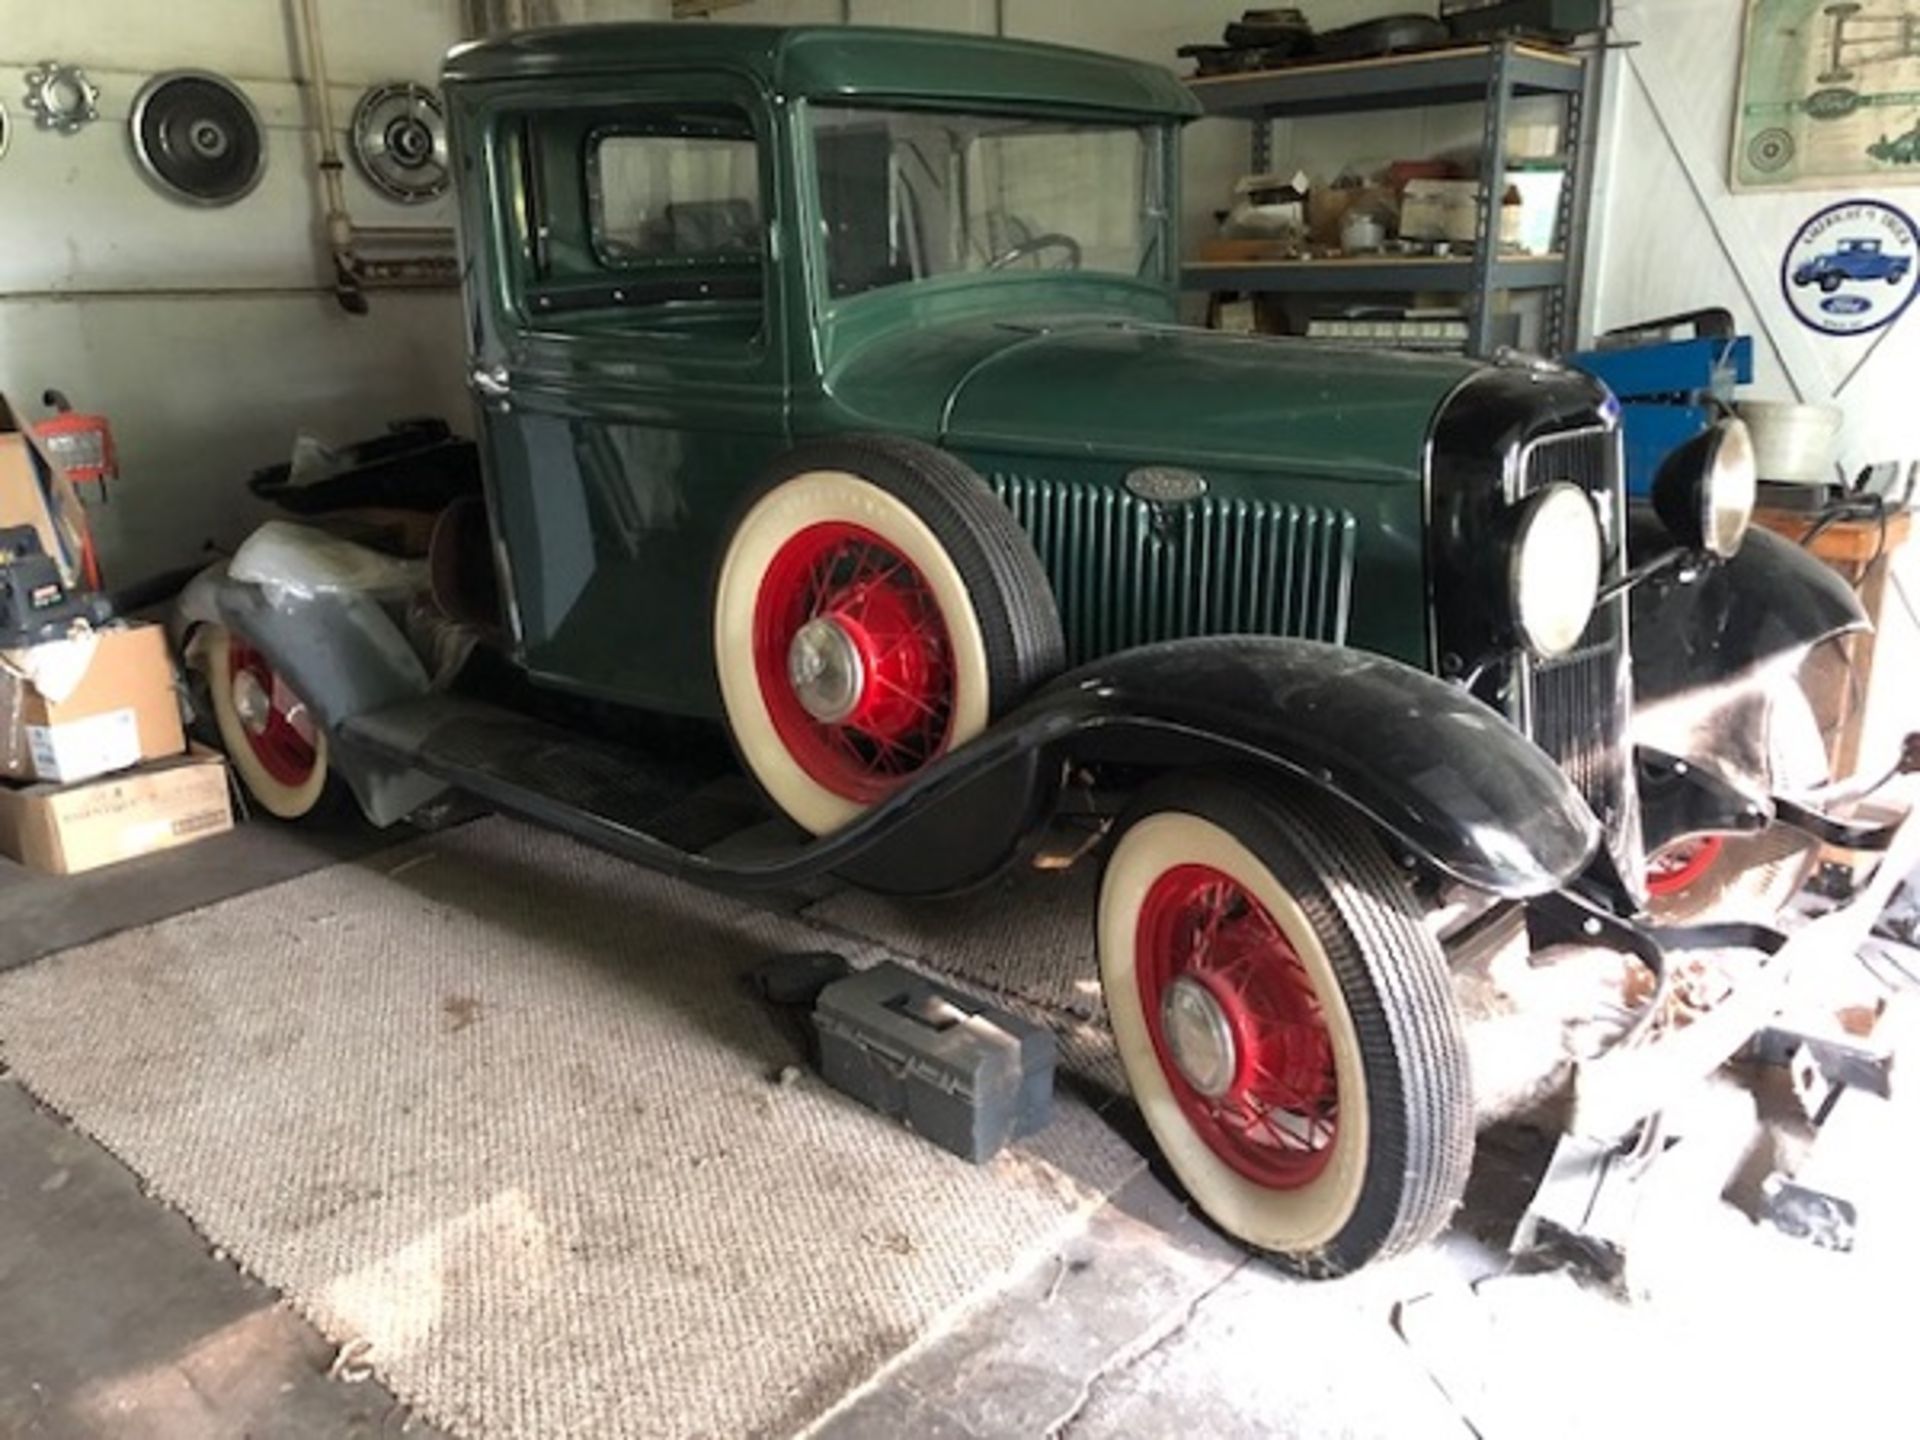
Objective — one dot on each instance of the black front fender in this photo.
(1442, 773)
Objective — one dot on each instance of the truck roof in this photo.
(840, 61)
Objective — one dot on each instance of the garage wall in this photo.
(1673, 236)
(207, 336)
(204, 334)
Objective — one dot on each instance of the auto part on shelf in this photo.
(398, 138)
(61, 97)
(197, 137)
(1559, 21)
(1389, 35)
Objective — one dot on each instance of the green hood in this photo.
(1153, 393)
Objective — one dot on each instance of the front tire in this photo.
(1286, 1022)
(1706, 879)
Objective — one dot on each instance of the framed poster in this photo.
(1829, 95)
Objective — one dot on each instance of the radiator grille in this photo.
(1126, 572)
(1577, 706)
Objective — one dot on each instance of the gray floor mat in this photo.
(495, 1105)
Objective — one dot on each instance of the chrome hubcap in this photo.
(823, 666)
(251, 702)
(1199, 1036)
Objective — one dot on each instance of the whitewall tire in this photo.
(274, 743)
(875, 607)
(1286, 1023)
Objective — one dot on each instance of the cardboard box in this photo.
(64, 829)
(1445, 210)
(124, 710)
(35, 491)
(1439, 210)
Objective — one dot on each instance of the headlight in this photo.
(1553, 570)
(1705, 491)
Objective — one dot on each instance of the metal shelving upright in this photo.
(1495, 75)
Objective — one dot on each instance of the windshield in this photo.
(912, 194)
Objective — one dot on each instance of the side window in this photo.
(643, 217)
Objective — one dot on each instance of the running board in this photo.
(625, 801)
(628, 803)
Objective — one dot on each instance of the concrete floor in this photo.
(42, 914)
(120, 1320)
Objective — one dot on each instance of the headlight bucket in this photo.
(1706, 490)
(1555, 562)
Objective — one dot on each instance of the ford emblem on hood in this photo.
(1165, 485)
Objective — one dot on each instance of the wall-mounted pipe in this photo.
(339, 223)
(415, 256)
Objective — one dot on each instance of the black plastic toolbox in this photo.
(967, 1076)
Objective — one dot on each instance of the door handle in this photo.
(491, 382)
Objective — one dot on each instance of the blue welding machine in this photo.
(1669, 389)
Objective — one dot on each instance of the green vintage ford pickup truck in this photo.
(830, 389)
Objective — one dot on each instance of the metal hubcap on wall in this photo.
(853, 660)
(1238, 1027)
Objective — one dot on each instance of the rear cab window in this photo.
(649, 217)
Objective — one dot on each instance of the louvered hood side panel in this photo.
(1126, 572)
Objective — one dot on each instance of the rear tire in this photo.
(1333, 1126)
(929, 614)
(279, 751)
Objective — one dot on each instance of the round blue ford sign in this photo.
(1852, 268)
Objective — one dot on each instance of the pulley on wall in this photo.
(197, 137)
(398, 138)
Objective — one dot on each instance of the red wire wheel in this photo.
(876, 607)
(1237, 1027)
(1286, 1020)
(854, 660)
(1680, 865)
(274, 720)
(271, 738)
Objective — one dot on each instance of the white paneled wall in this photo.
(1672, 236)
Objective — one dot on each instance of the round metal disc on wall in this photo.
(399, 141)
(198, 137)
